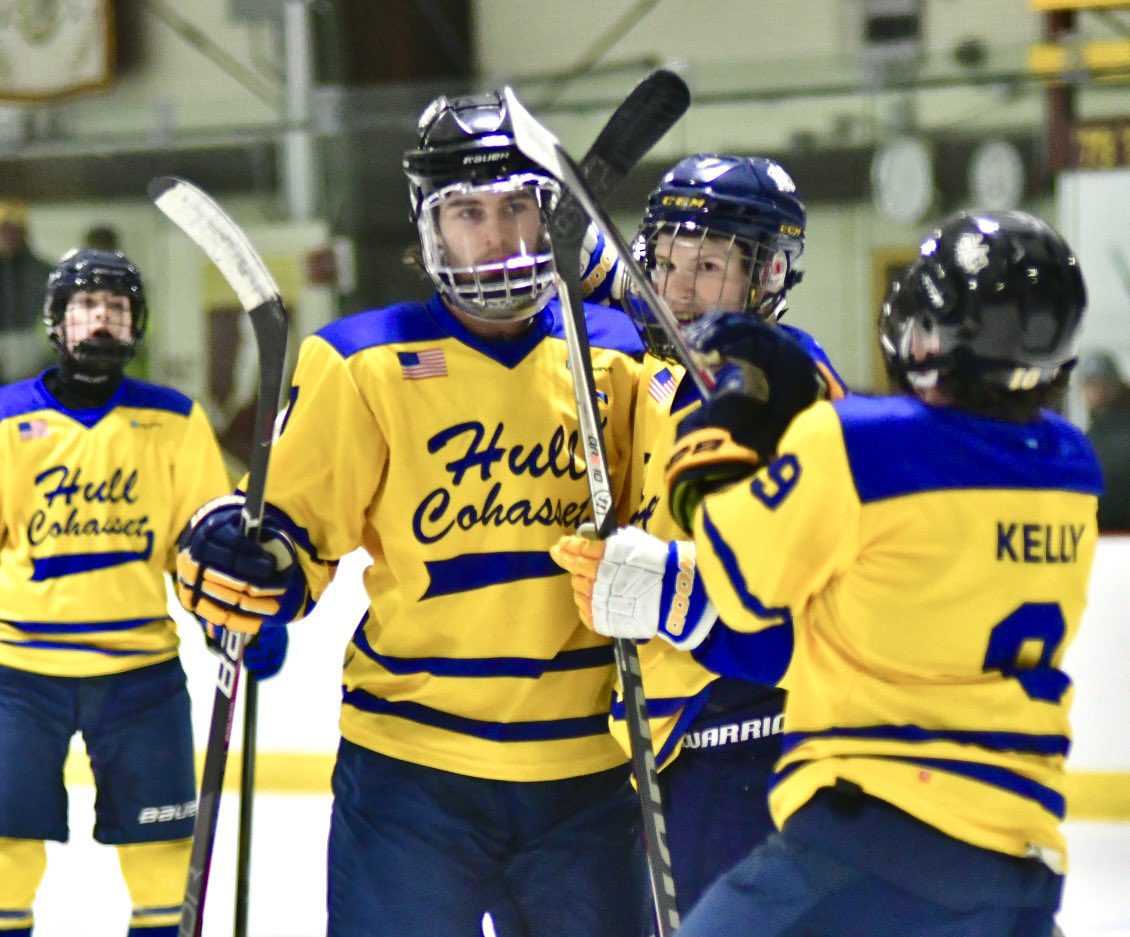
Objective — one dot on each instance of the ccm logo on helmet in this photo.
(683, 201)
(791, 230)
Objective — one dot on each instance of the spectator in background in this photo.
(1107, 397)
(102, 237)
(23, 281)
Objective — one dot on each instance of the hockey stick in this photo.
(543, 147)
(209, 226)
(645, 115)
(246, 801)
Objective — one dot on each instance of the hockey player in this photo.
(475, 774)
(101, 472)
(719, 233)
(915, 568)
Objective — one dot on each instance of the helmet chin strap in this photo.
(95, 360)
(81, 390)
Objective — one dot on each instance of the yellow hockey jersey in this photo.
(676, 685)
(455, 463)
(917, 573)
(90, 510)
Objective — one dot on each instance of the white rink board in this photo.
(298, 709)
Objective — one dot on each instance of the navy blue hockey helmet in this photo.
(748, 204)
(466, 148)
(996, 295)
(89, 270)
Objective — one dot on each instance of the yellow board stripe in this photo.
(275, 772)
(1051, 6)
(1091, 795)
(1098, 795)
(1101, 55)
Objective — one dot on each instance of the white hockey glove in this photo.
(635, 586)
(603, 278)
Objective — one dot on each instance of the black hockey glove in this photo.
(764, 379)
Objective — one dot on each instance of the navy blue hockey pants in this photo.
(414, 850)
(858, 867)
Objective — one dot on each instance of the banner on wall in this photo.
(52, 49)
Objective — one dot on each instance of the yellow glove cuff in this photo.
(707, 447)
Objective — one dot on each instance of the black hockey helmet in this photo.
(463, 139)
(998, 296)
(89, 270)
(466, 152)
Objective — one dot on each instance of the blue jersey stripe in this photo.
(658, 707)
(55, 567)
(89, 648)
(546, 730)
(663, 707)
(1023, 742)
(479, 570)
(729, 561)
(1050, 800)
(533, 668)
(1002, 778)
(762, 656)
(83, 627)
(952, 450)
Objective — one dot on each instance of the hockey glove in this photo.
(263, 655)
(764, 379)
(602, 275)
(635, 586)
(234, 581)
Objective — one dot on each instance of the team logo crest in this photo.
(971, 253)
(783, 179)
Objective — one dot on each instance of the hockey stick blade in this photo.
(199, 216)
(226, 245)
(543, 148)
(643, 117)
(607, 162)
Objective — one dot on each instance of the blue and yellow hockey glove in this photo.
(636, 586)
(764, 379)
(233, 581)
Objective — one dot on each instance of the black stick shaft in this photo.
(653, 106)
(246, 801)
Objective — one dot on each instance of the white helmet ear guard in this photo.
(501, 270)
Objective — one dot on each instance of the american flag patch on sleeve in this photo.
(32, 429)
(662, 385)
(417, 365)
